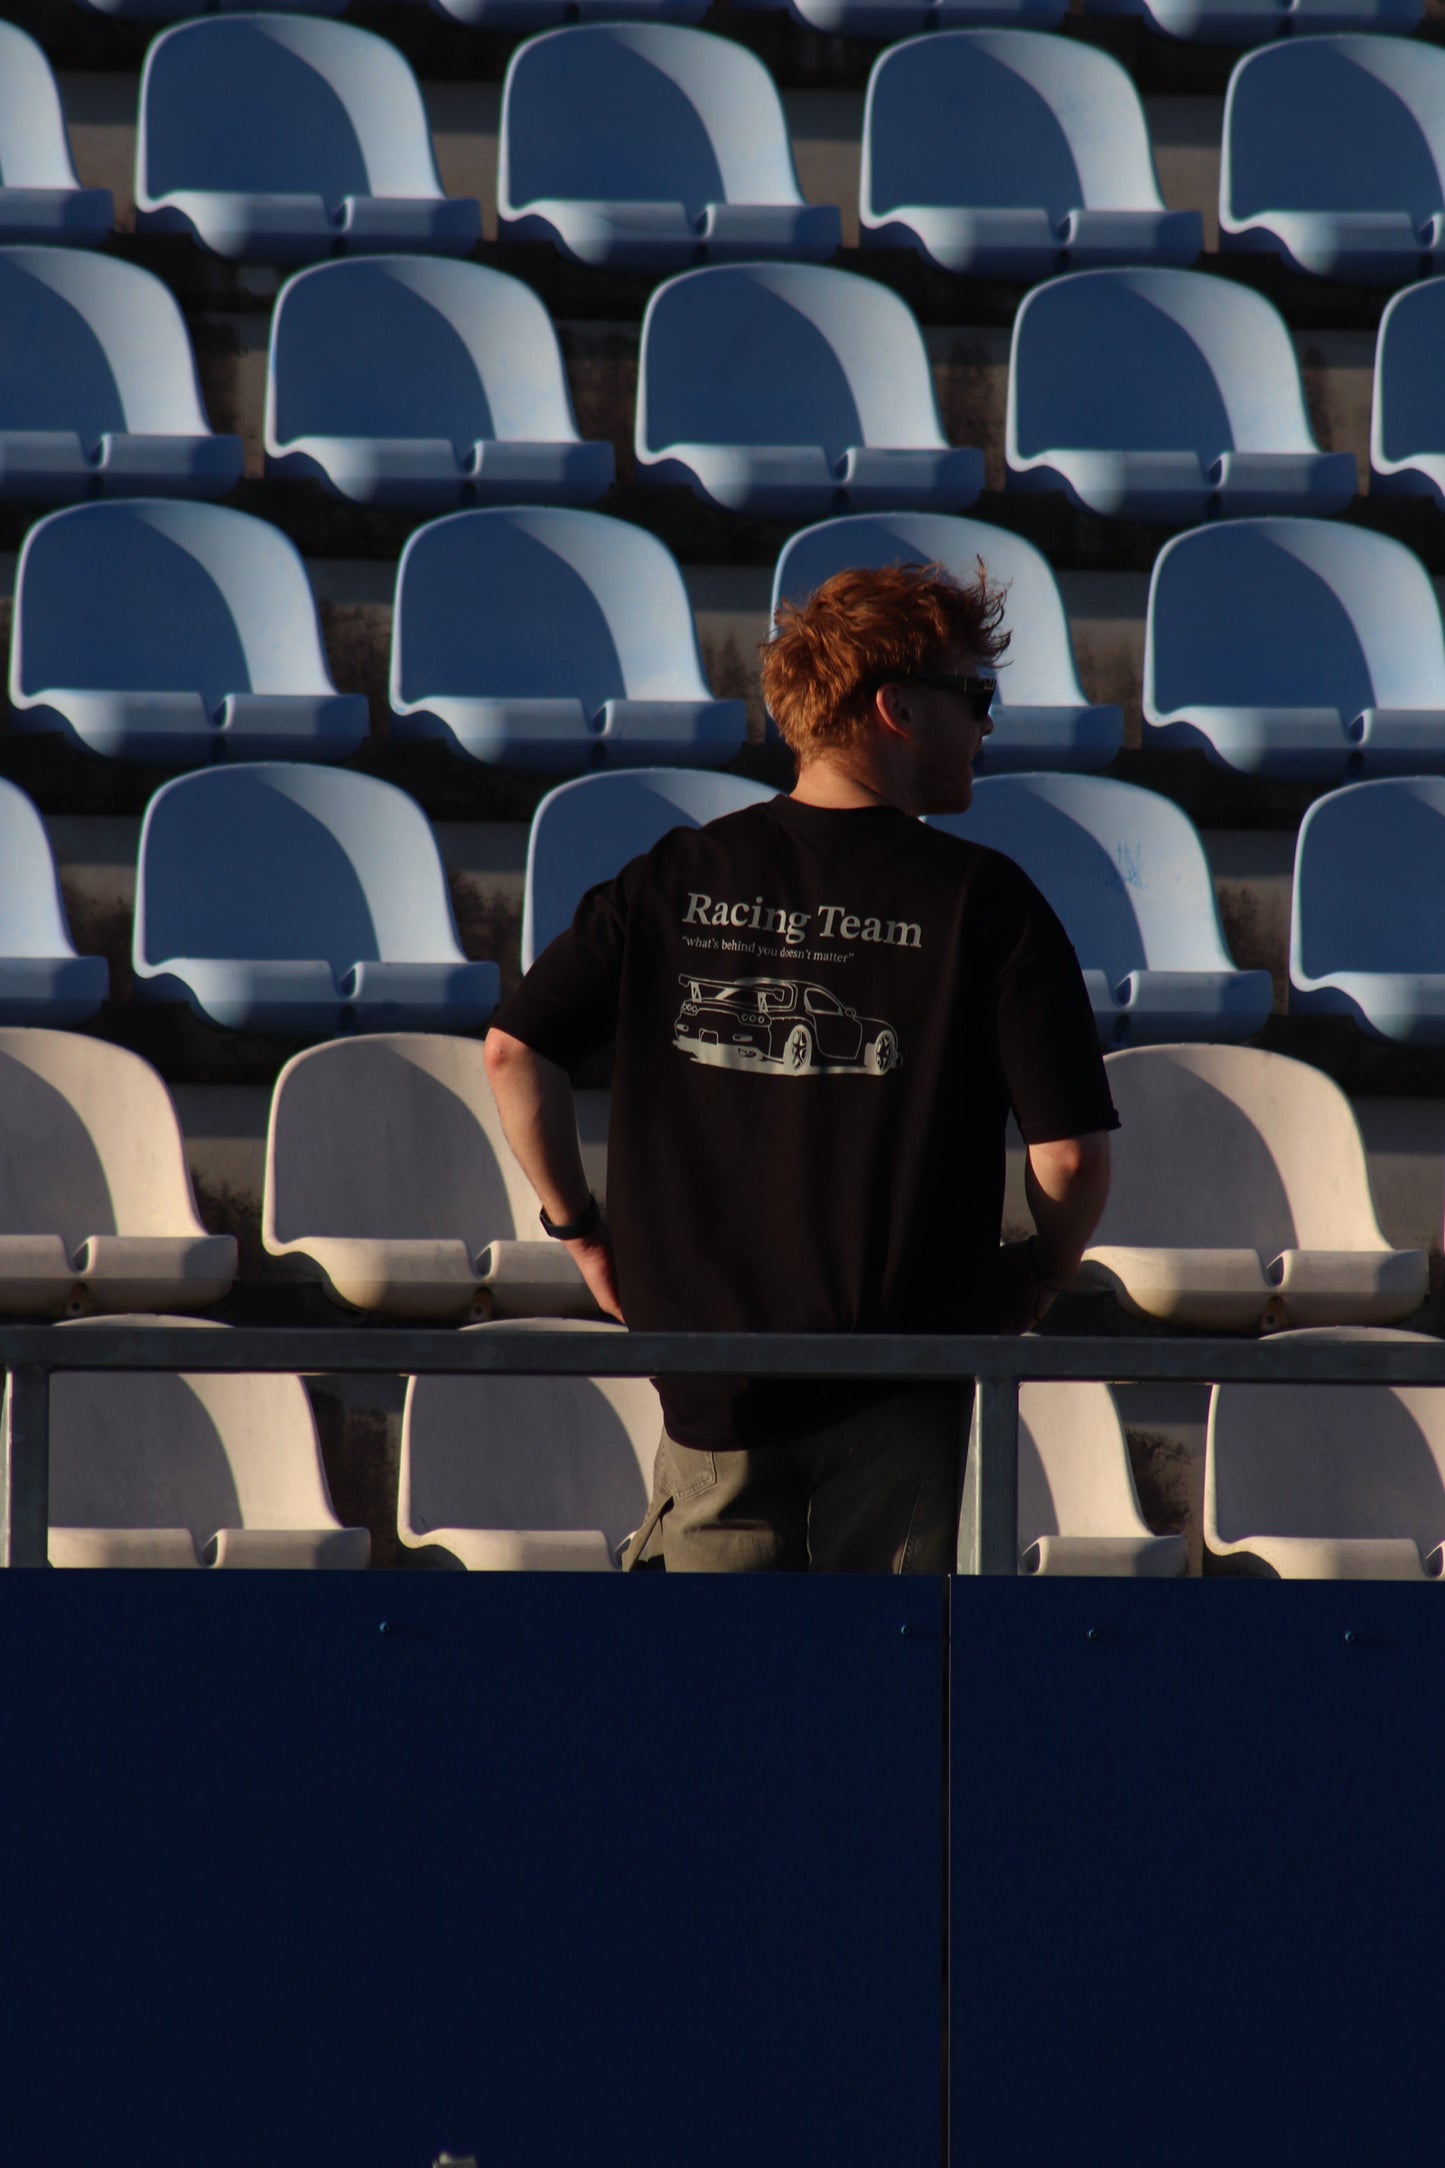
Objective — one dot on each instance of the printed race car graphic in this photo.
(780, 1027)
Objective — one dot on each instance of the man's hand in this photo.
(592, 1255)
(1021, 1297)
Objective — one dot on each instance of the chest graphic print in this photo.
(780, 1027)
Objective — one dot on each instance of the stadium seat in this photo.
(174, 633)
(1286, 647)
(649, 147)
(1407, 417)
(1041, 718)
(1163, 395)
(1240, 1198)
(1327, 1482)
(1367, 926)
(40, 198)
(405, 380)
(304, 901)
(585, 831)
(1125, 870)
(1256, 22)
(42, 980)
(553, 640)
(96, 1208)
(1008, 154)
(284, 138)
(890, 19)
(162, 1469)
(1078, 1511)
(793, 391)
(389, 1179)
(526, 16)
(1334, 158)
(98, 389)
(510, 1474)
(175, 11)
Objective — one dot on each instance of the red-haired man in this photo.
(824, 1012)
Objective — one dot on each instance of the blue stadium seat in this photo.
(526, 16)
(585, 831)
(1286, 647)
(649, 147)
(1041, 718)
(1126, 872)
(42, 980)
(889, 19)
(792, 391)
(40, 198)
(283, 138)
(1334, 158)
(405, 380)
(1163, 395)
(175, 11)
(178, 633)
(1256, 22)
(552, 639)
(98, 390)
(305, 901)
(1008, 154)
(1367, 930)
(1407, 419)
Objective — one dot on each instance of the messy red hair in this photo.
(860, 628)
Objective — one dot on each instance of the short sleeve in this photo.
(566, 1006)
(1047, 1038)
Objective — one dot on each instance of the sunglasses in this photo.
(979, 692)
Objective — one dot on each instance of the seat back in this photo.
(277, 861)
(1291, 613)
(157, 596)
(587, 830)
(1335, 124)
(156, 1449)
(93, 345)
(1152, 360)
(1003, 119)
(32, 910)
(1074, 1477)
(1039, 670)
(414, 346)
(642, 112)
(783, 354)
(1326, 1461)
(1369, 880)
(542, 603)
(1123, 867)
(293, 105)
(34, 150)
(393, 1137)
(89, 1142)
(1408, 414)
(544, 1453)
(1227, 1147)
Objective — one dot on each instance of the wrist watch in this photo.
(587, 1222)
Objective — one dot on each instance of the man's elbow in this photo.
(1075, 1162)
(503, 1055)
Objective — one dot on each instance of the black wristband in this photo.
(587, 1223)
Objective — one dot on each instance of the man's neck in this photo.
(841, 784)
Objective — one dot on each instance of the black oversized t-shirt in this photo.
(822, 1020)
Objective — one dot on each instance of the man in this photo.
(823, 1013)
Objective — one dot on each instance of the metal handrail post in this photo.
(25, 1468)
(993, 1543)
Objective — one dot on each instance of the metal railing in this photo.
(30, 1354)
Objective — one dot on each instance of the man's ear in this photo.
(890, 710)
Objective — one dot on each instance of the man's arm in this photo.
(1066, 1183)
(539, 1116)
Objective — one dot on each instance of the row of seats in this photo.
(299, 901)
(389, 1184)
(1225, 22)
(1003, 154)
(788, 390)
(505, 1473)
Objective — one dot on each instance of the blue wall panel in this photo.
(554, 1870)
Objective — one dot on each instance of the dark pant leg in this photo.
(884, 1485)
(734, 1511)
